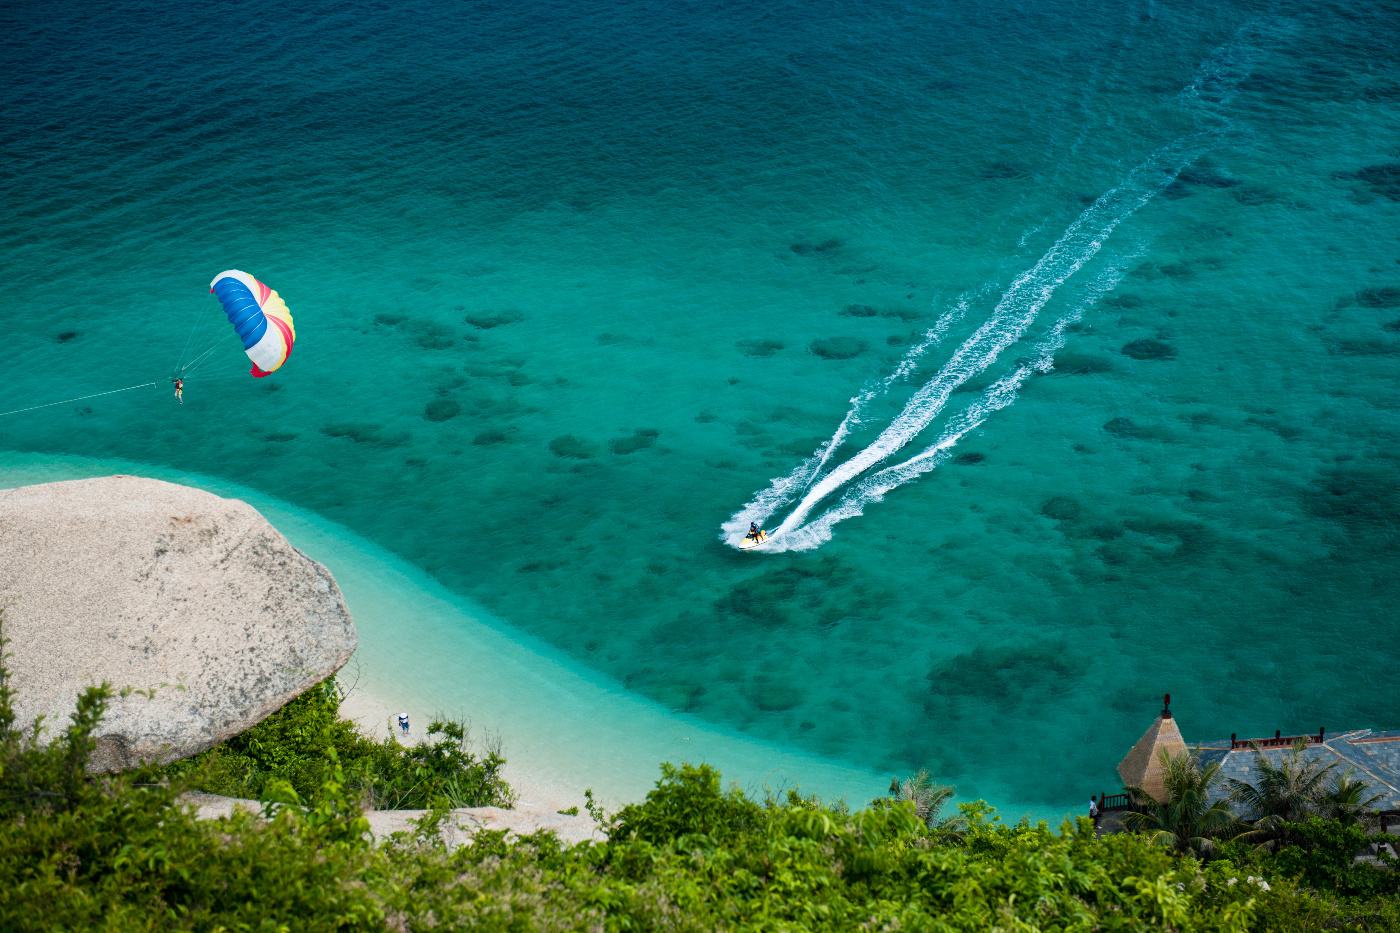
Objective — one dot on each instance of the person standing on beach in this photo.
(1094, 810)
(403, 723)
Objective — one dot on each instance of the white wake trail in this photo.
(784, 489)
(999, 395)
(1014, 313)
(1211, 90)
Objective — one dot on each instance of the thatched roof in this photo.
(1142, 766)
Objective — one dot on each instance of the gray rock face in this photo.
(158, 587)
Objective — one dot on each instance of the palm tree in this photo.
(928, 798)
(1282, 793)
(1188, 821)
(1347, 802)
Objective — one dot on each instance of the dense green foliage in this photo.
(1188, 821)
(122, 853)
(119, 852)
(284, 757)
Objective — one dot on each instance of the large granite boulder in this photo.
(165, 589)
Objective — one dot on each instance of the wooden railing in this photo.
(1109, 802)
(1278, 741)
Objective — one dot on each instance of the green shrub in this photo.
(119, 852)
(287, 749)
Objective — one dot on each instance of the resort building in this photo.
(1370, 756)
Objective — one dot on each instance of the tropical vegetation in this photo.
(121, 852)
(283, 757)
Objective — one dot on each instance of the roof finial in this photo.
(1166, 706)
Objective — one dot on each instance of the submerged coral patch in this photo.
(760, 348)
(640, 439)
(487, 320)
(1149, 348)
(441, 409)
(490, 438)
(838, 348)
(370, 435)
(570, 447)
(1069, 363)
(1385, 296)
(818, 248)
(1383, 179)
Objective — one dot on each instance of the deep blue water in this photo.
(1109, 292)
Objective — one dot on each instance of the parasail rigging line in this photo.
(78, 399)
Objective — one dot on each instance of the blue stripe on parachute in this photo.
(242, 310)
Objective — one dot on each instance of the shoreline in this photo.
(425, 650)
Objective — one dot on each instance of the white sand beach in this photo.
(425, 651)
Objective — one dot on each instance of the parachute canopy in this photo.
(260, 317)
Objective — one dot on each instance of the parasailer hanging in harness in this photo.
(260, 318)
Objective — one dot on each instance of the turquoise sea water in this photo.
(580, 286)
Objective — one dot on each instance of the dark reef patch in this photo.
(772, 695)
(1149, 348)
(1365, 346)
(570, 447)
(441, 409)
(1383, 179)
(1283, 429)
(1062, 509)
(431, 335)
(280, 437)
(1123, 427)
(1199, 176)
(1255, 195)
(1002, 677)
(817, 248)
(839, 348)
(870, 311)
(1362, 498)
(1123, 300)
(759, 348)
(640, 439)
(488, 320)
(1385, 296)
(491, 438)
(363, 432)
(968, 459)
(65, 336)
(1081, 364)
(1380, 93)
(790, 596)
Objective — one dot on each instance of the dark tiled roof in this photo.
(1373, 757)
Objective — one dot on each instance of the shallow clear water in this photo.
(574, 284)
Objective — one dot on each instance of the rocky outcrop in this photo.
(191, 603)
(458, 829)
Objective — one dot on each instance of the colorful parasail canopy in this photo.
(260, 317)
